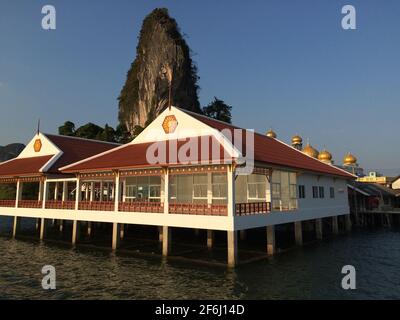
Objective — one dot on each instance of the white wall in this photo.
(309, 208)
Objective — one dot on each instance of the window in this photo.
(143, 188)
(332, 192)
(302, 192)
(200, 186)
(256, 187)
(219, 186)
(321, 192)
(315, 192)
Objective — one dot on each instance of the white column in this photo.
(77, 193)
(270, 240)
(56, 191)
(166, 191)
(117, 192)
(209, 188)
(45, 186)
(231, 191)
(232, 248)
(18, 193)
(92, 191)
(65, 191)
(101, 190)
(40, 195)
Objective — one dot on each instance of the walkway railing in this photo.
(141, 207)
(243, 209)
(96, 205)
(63, 205)
(35, 204)
(198, 209)
(7, 203)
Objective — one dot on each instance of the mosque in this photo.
(349, 160)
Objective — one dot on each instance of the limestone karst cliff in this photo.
(145, 93)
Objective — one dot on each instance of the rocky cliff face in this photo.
(145, 93)
(10, 151)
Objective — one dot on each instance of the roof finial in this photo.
(38, 127)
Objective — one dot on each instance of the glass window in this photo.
(302, 192)
(219, 186)
(315, 192)
(332, 192)
(321, 192)
(200, 186)
(256, 187)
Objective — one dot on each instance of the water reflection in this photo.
(310, 272)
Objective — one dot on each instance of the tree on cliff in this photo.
(219, 110)
(146, 90)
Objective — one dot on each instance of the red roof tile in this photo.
(134, 155)
(76, 149)
(275, 152)
(23, 166)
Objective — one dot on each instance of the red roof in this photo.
(275, 152)
(76, 149)
(135, 155)
(23, 166)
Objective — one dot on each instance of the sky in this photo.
(283, 64)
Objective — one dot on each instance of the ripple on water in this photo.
(311, 272)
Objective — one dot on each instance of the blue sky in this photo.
(285, 64)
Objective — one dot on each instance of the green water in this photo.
(311, 272)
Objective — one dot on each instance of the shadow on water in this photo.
(311, 272)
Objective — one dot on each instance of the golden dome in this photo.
(349, 159)
(297, 139)
(325, 156)
(271, 133)
(309, 150)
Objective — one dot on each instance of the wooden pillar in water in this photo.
(335, 225)
(271, 240)
(298, 233)
(42, 228)
(75, 232)
(166, 241)
(116, 235)
(318, 228)
(210, 239)
(232, 248)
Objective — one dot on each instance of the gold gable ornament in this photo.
(169, 124)
(37, 146)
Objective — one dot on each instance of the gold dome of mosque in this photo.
(297, 139)
(310, 151)
(271, 133)
(349, 159)
(325, 156)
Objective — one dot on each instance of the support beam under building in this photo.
(242, 234)
(335, 225)
(42, 228)
(75, 232)
(210, 239)
(116, 235)
(89, 228)
(16, 226)
(166, 241)
(298, 233)
(160, 234)
(232, 248)
(318, 229)
(347, 222)
(271, 240)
